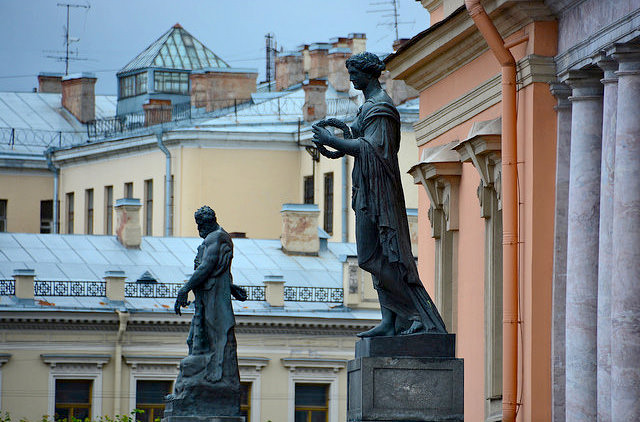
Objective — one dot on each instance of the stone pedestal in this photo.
(406, 378)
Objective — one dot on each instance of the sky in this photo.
(112, 32)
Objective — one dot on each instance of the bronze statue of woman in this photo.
(382, 230)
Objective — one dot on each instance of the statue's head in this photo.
(364, 67)
(206, 220)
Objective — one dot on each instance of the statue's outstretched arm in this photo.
(201, 274)
(323, 137)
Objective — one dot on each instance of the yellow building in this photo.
(87, 314)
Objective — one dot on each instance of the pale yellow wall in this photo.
(407, 157)
(23, 191)
(25, 376)
(246, 188)
(114, 171)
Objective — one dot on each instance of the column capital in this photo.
(608, 65)
(585, 84)
(561, 92)
(627, 55)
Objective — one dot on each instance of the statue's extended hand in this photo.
(321, 135)
(181, 301)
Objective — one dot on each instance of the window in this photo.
(46, 216)
(308, 189)
(72, 399)
(328, 203)
(148, 207)
(88, 211)
(171, 82)
(245, 400)
(312, 404)
(3, 215)
(108, 210)
(70, 212)
(150, 399)
(133, 85)
(128, 190)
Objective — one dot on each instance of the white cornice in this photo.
(455, 42)
(254, 363)
(334, 365)
(531, 69)
(98, 360)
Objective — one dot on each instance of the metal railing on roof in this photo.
(15, 138)
(69, 288)
(7, 287)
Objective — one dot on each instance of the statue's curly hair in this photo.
(205, 215)
(366, 62)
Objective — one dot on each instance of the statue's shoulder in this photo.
(217, 237)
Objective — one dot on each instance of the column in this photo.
(605, 256)
(625, 280)
(563, 137)
(582, 245)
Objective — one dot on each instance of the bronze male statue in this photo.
(208, 383)
(382, 232)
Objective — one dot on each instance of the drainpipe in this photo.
(509, 208)
(167, 184)
(56, 176)
(345, 199)
(123, 318)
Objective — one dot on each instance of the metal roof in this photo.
(168, 260)
(175, 49)
(30, 122)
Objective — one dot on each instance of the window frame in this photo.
(151, 406)
(308, 195)
(108, 210)
(89, 210)
(133, 85)
(150, 368)
(328, 202)
(73, 406)
(171, 82)
(4, 205)
(309, 409)
(148, 207)
(128, 190)
(70, 214)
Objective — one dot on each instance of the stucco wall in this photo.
(23, 192)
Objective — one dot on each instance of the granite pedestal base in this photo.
(406, 387)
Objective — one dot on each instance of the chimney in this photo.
(315, 104)
(222, 87)
(300, 229)
(399, 43)
(79, 95)
(23, 279)
(115, 281)
(50, 83)
(289, 70)
(129, 231)
(338, 75)
(358, 42)
(319, 60)
(157, 111)
(274, 290)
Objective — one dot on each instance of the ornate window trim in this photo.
(311, 371)
(482, 148)
(76, 367)
(4, 358)
(151, 368)
(251, 371)
(439, 173)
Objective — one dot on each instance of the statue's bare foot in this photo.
(416, 327)
(379, 330)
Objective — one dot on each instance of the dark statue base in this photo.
(414, 378)
(197, 399)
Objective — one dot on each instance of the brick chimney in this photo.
(319, 60)
(221, 87)
(338, 75)
(315, 104)
(300, 229)
(157, 111)
(357, 42)
(79, 95)
(289, 70)
(129, 231)
(50, 83)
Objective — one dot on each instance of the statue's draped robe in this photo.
(382, 233)
(213, 317)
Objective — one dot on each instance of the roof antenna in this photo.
(67, 39)
(272, 52)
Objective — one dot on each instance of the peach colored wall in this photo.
(436, 15)
(536, 153)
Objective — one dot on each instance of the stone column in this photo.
(582, 245)
(625, 280)
(563, 151)
(605, 257)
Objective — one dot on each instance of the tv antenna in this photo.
(390, 8)
(68, 56)
(272, 51)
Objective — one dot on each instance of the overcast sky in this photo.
(112, 32)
